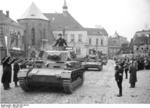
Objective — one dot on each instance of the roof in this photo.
(143, 31)
(7, 20)
(96, 31)
(60, 21)
(33, 13)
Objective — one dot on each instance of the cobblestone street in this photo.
(99, 87)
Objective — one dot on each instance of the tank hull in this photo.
(68, 81)
(87, 65)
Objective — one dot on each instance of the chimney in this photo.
(7, 13)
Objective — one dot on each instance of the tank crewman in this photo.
(119, 77)
(7, 71)
(133, 76)
(16, 70)
(60, 42)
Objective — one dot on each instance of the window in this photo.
(96, 41)
(80, 38)
(102, 43)
(40, 32)
(66, 37)
(90, 41)
(72, 38)
(78, 51)
(1, 31)
(17, 38)
(44, 35)
(90, 51)
(33, 36)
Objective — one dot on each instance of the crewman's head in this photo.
(60, 35)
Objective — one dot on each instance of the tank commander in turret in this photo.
(60, 42)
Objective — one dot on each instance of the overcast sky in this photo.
(124, 16)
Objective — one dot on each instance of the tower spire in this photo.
(65, 7)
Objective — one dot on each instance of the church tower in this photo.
(65, 7)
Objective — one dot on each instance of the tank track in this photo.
(70, 86)
(25, 85)
(100, 68)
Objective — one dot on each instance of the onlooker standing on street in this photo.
(119, 78)
(133, 75)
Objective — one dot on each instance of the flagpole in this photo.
(6, 42)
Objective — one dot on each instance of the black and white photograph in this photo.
(74, 52)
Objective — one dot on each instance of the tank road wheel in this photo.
(100, 68)
(68, 87)
(85, 68)
(24, 85)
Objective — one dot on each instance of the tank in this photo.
(92, 61)
(56, 69)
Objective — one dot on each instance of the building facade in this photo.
(114, 44)
(13, 31)
(97, 40)
(73, 32)
(141, 42)
(76, 35)
(38, 35)
(42, 29)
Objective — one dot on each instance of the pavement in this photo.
(99, 88)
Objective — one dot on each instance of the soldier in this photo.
(60, 42)
(7, 71)
(16, 70)
(126, 68)
(119, 77)
(132, 71)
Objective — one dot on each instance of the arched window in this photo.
(44, 33)
(90, 41)
(102, 43)
(33, 36)
(96, 42)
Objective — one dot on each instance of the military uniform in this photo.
(16, 70)
(119, 78)
(7, 72)
(61, 43)
(126, 69)
(133, 76)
